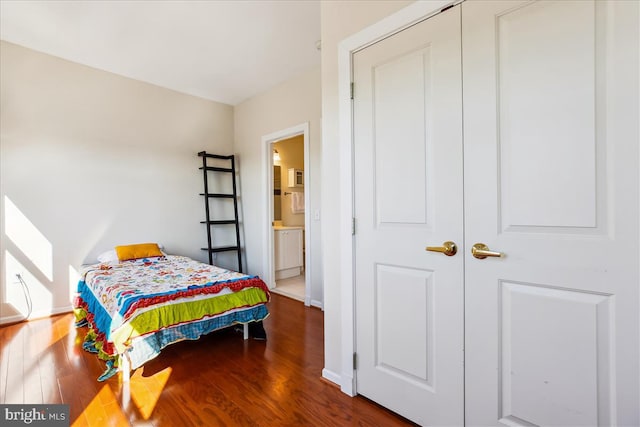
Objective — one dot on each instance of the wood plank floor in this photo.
(219, 380)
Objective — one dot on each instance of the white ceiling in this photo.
(225, 51)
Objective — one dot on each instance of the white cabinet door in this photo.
(292, 248)
(278, 249)
(288, 249)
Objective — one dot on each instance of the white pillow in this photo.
(108, 256)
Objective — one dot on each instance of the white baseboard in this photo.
(348, 384)
(36, 315)
(11, 319)
(318, 304)
(345, 382)
(331, 376)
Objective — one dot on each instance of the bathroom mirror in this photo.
(277, 205)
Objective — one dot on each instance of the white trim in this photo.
(267, 232)
(12, 319)
(394, 23)
(36, 315)
(317, 304)
(331, 376)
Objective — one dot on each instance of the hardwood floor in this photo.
(219, 380)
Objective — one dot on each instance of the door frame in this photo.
(402, 19)
(267, 230)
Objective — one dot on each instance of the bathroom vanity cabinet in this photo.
(288, 251)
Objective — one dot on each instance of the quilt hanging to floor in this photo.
(142, 305)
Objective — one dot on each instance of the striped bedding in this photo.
(143, 305)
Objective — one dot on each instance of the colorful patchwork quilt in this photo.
(143, 305)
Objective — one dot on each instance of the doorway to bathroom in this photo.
(288, 217)
(287, 266)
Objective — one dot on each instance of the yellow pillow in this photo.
(141, 250)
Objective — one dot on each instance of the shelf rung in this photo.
(217, 222)
(221, 249)
(218, 195)
(214, 156)
(216, 169)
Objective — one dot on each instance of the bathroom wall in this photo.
(291, 156)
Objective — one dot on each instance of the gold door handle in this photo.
(481, 251)
(447, 248)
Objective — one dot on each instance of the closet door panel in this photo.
(551, 185)
(546, 103)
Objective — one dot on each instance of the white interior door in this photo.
(550, 162)
(408, 181)
(551, 181)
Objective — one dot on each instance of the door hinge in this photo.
(355, 359)
(353, 226)
(351, 90)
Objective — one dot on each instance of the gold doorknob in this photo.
(481, 251)
(447, 248)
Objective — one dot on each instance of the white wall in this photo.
(98, 139)
(339, 20)
(90, 160)
(289, 104)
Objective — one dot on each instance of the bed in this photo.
(137, 306)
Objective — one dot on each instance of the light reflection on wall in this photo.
(74, 276)
(41, 297)
(33, 244)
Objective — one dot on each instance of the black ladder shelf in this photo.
(207, 196)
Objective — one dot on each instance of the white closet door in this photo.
(550, 106)
(408, 181)
(551, 181)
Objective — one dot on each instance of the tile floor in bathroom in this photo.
(292, 287)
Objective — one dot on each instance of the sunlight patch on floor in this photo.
(44, 338)
(145, 391)
(102, 411)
